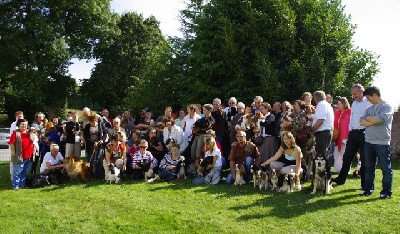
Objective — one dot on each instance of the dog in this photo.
(292, 181)
(259, 177)
(321, 174)
(33, 135)
(147, 172)
(285, 185)
(258, 119)
(297, 185)
(274, 177)
(357, 172)
(77, 169)
(114, 173)
(180, 168)
(204, 162)
(240, 173)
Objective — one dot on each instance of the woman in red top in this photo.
(342, 121)
(115, 153)
(21, 147)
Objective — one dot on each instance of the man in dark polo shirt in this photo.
(244, 153)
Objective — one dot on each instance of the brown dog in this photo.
(79, 170)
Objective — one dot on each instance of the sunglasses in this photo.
(142, 147)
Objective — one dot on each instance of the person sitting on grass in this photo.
(214, 174)
(138, 159)
(169, 165)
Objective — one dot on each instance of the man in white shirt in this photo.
(356, 138)
(322, 124)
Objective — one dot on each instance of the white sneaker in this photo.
(150, 180)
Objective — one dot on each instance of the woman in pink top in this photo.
(342, 120)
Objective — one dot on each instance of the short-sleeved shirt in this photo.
(239, 153)
(324, 111)
(49, 158)
(217, 153)
(27, 144)
(115, 152)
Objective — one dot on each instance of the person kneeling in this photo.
(53, 163)
(116, 154)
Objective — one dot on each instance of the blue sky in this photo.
(377, 30)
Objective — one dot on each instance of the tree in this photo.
(38, 40)
(123, 63)
(276, 48)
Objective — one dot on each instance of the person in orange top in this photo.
(21, 149)
(115, 153)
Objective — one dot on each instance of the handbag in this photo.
(304, 134)
(335, 134)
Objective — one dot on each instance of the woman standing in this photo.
(95, 136)
(171, 131)
(21, 149)
(268, 147)
(73, 138)
(342, 120)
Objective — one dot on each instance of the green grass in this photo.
(180, 207)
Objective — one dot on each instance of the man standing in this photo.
(322, 124)
(13, 127)
(356, 138)
(244, 152)
(377, 121)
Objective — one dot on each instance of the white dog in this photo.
(113, 174)
(239, 180)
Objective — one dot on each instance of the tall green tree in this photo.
(123, 63)
(38, 40)
(274, 48)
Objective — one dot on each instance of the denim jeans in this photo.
(20, 172)
(167, 175)
(382, 153)
(247, 165)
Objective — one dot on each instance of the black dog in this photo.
(180, 168)
(202, 170)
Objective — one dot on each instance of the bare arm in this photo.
(317, 125)
(277, 155)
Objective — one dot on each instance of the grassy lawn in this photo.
(180, 207)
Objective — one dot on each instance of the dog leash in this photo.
(94, 159)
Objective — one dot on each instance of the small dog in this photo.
(240, 173)
(77, 169)
(114, 173)
(258, 119)
(321, 174)
(292, 182)
(285, 185)
(357, 172)
(33, 135)
(204, 162)
(180, 168)
(259, 177)
(274, 177)
(147, 172)
(297, 185)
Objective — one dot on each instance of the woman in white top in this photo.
(52, 160)
(171, 131)
(214, 175)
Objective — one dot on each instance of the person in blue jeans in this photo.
(244, 152)
(378, 122)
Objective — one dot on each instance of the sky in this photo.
(377, 31)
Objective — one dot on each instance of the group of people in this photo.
(282, 136)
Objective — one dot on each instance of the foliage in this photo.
(38, 39)
(277, 49)
(123, 62)
(180, 207)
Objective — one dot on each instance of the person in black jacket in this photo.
(268, 127)
(95, 136)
